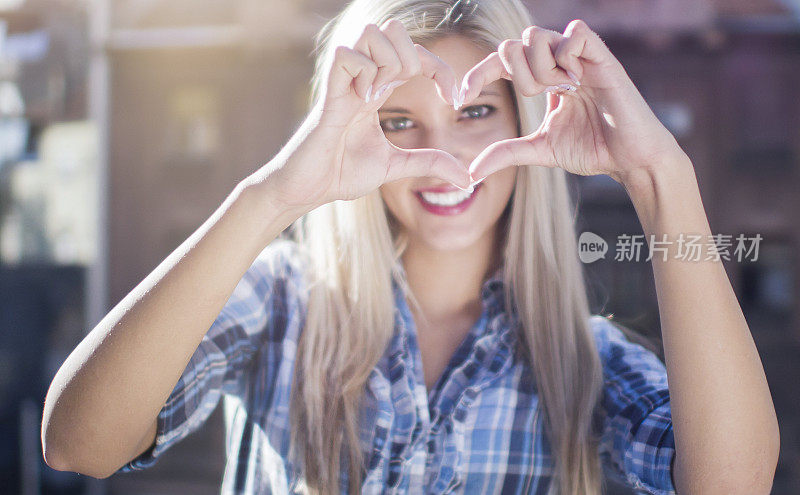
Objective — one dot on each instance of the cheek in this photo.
(394, 196)
(504, 183)
(508, 177)
(505, 178)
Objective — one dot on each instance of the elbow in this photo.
(65, 449)
(740, 472)
(54, 460)
(758, 454)
(756, 482)
(54, 456)
(755, 473)
(758, 460)
(61, 462)
(57, 457)
(770, 465)
(758, 471)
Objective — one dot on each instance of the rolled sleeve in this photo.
(637, 434)
(252, 320)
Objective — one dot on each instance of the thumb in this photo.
(526, 150)
(427, 162)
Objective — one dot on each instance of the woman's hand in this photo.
(601, 125)
(340, 151)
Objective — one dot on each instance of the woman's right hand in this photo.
(340, 151)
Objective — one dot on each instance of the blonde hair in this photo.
(354, 251)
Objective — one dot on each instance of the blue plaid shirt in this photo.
(479, 430)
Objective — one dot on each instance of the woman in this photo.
(431, 332)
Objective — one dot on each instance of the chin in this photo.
(448, 240)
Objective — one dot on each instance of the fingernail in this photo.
(553, 89)
(379, 92)
(369, 93)
(573, 77)
(568, 87)
(455, 98)
(468, 189)
(395, 84)
(474, 182)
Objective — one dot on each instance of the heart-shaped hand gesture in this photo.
(340, 151)
(596, 122)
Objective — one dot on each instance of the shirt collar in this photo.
(490, 337)
(493, 285)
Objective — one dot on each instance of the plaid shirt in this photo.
(479, 430)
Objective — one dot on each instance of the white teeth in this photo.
(446, 199)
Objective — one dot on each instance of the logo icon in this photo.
(591, 247)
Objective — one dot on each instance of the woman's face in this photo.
(414, 116)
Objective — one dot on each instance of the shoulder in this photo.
(280, 267)
(606, 333)
(273, 283)
(616, 348)
(283, 257)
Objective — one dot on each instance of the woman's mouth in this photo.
(446, 203)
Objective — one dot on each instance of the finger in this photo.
(526, 150)
(350, 71)
(582, 43)
(444, 77)
(374, 44)
(396, 33)
(427, 162)
(410, 64)
(512, 55)
(568, 52)
(539, 45)
(485, 72)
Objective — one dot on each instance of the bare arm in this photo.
(726, 430)
(102, 405)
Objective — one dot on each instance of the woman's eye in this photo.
(473, 112)
(395, 124)
(479, 111)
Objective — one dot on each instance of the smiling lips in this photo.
(445, 200)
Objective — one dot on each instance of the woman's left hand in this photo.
(603, 126)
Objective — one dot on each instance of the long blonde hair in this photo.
(354, 251)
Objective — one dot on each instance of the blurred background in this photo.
(124, 124)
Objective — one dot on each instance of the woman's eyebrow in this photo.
(485, 92)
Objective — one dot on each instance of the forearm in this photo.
(726, 431)
(112, 386)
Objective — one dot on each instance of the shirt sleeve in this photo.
(254, 316)
(637, 439)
